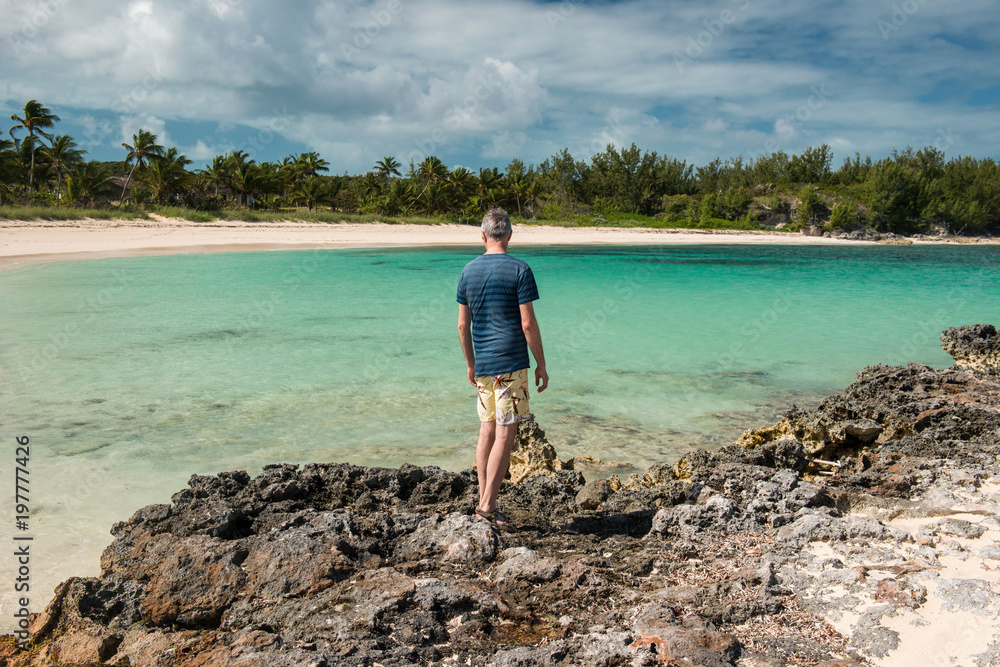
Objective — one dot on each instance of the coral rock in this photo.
(532, 453)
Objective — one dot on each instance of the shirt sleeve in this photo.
(460, 296)
(527, 291)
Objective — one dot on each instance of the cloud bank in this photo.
(480, 83)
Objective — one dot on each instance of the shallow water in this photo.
(131, 374)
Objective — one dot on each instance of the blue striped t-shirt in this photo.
(494, 286)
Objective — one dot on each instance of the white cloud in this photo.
(130, 126)
(470, 79)
(714, 125)
(505, 145)
(202, 151)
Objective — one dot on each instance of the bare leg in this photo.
(496, 459)
(487, 434)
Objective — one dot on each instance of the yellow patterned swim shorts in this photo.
(503, 398)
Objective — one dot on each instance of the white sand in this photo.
(934, 633)
(22, 242)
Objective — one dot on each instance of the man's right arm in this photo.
(465, 337)
(529, 325)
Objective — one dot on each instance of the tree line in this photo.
(906, 192)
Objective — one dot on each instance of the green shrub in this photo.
(605, 206)
(736, 202)
(808, 199)
(709, 209)
(844, 216)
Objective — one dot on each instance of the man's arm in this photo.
(465, 337)
(529, 325)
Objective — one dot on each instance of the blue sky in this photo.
(480, 83)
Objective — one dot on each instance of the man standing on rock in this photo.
(496, 326)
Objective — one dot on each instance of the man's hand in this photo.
(541, 378)
(472, 376)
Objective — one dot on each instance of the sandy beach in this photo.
(33, 241)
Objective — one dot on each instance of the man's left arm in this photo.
(529, 325)
(465, 337)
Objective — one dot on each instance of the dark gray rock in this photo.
(457, 537)
(872, 638)
(959, 528)
(692, 521)
(975, 348)
(972, 595)
(525, 564)
(594, 494)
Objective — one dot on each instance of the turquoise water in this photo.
(131, 374)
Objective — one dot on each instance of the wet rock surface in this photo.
(844, 535)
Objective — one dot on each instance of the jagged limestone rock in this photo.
(976, 348)
(532, 453)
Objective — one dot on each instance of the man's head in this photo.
(496, 225)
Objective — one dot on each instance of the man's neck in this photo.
(496, 246)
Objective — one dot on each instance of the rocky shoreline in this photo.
(865, 531)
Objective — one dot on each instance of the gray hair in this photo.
(496, 224)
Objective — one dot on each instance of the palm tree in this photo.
(237, 158)
(387, 167)
(87, 182)
(35, 118)
(462, 183)
(8, 160)
(249, 180)
(312, 163)
(216, 173)
(532, 196)
(290, 172)
(143, 147)
(517, 184)
(431, 170)
(490, 184)
(436, 199)
(313, 192)
(370, 186)
(397, 193)
(62, 155)
(167, 175)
